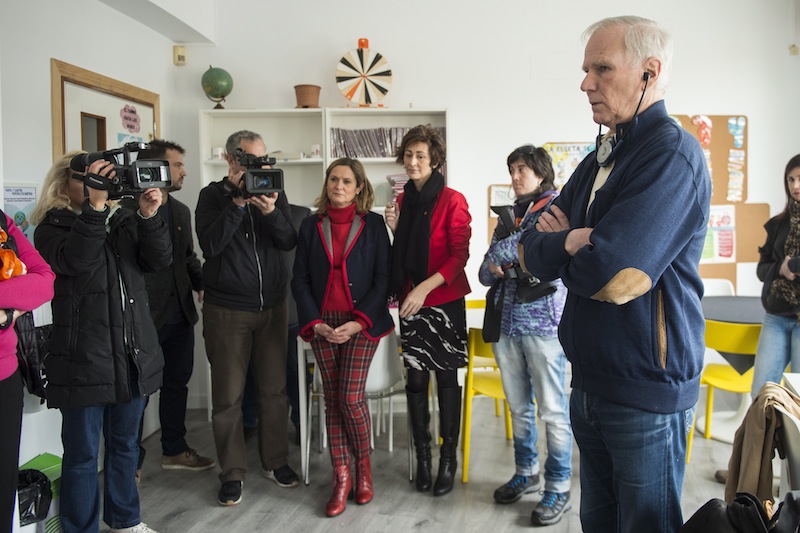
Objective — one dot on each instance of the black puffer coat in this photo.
(101, 316)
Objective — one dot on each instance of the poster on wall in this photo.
(566, 157)
(720, 244)
(19, 202)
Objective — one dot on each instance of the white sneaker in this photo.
(141, 527)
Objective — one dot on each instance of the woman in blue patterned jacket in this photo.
(531, 360)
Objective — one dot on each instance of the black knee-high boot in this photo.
(450, 416)
(420, 420)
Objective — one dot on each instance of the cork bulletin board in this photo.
(736, 227)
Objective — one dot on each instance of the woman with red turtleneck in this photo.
(340, 283)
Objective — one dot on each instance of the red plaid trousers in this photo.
(344, 368)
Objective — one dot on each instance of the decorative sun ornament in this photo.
(363, 75)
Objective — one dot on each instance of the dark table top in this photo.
(739, 309)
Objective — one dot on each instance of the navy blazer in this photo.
(366, 271)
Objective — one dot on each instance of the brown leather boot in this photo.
(342, 487)
(364, 492)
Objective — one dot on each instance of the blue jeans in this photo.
(778, 345)
(80, 492)
(632, 465)
(533, 368)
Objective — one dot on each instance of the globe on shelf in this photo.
(217, 84)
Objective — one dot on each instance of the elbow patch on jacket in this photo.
(626, 285)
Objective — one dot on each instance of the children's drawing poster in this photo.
(566, 157)
(720, 244)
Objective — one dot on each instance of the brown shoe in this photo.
(721, 476)
(188, 460)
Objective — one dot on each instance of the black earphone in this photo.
(606, 150)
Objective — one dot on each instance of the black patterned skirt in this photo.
(435, 338)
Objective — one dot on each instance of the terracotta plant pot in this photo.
(307, 95)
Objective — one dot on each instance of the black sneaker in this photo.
(515, 488)
(283, 477)
(551, 508)
(230, 493)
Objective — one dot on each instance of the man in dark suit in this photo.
(174, 314)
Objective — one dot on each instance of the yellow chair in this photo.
(485, 382)
(725, 337)
(483, 362)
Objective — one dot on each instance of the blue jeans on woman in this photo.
(778, 345)
(533, 368)
(632, 465)
(80, 492)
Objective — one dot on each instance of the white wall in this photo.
(507, 71)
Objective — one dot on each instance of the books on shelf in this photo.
(280, 155)
(372, 142)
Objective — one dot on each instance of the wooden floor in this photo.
(180, 501)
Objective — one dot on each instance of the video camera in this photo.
(132, 177)
(529, 287)
(257, 180)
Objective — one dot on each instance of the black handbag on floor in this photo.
(35, 495)
(746, 514)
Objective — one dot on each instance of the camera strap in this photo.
(96, 181)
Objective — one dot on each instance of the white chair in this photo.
(718, 287)
(384, 381)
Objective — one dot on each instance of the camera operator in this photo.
(245, 315)
(104, 352)
(531, 360)
(174, 314)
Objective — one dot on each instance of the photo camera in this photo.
(132, 177)
(529, 287)
(258, 180)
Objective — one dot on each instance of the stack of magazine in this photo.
(396, 182)
(373, 142)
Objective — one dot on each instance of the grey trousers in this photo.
(235, 340)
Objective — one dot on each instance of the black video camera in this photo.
(257, 180)
(132, 177)
(529, 287)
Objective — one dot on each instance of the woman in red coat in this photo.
(340, 284)
(431, 223)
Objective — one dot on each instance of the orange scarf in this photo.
(10, 265)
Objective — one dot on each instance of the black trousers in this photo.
(11, 424)
(177, 343)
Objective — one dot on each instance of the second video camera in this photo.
(132, 177)
(258, 180)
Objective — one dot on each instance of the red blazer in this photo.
(448, 249)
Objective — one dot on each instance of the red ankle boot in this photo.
(342, 486)
(364, 492)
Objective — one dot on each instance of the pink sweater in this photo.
(24, 293)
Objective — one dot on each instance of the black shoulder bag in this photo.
(31, 340)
